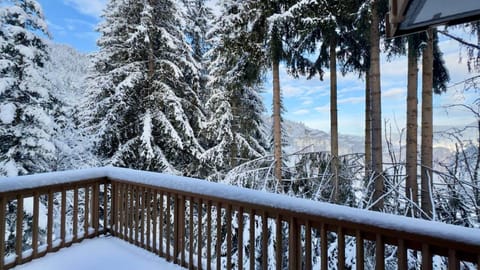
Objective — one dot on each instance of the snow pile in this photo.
(100, 253)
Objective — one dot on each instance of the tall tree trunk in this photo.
(277, 125)
(368, 124)
(334, 117)
(477, 169)
(376, 108)
(411, 187)
(427, 130)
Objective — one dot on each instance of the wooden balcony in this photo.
(198, 224)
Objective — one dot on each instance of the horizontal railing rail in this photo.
(204, 225)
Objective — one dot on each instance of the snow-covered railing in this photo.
(36, 211)
(206, 225)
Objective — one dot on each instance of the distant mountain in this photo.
(67, 69)
(302, 138)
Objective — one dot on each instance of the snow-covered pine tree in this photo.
(253, 30)
(198, 20)
(235, 129)
(144, 110)
(27, 108)
(26, 121)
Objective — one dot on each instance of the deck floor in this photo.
(100, 254)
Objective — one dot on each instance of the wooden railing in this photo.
(205, 225)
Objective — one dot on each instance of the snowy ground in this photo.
(100, 253)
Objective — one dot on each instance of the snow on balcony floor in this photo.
(100, 253)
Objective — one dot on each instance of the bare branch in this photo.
(460, 40)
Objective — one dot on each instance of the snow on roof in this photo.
(242, 195)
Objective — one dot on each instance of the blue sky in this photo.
(73, 22)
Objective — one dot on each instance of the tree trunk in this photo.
(476, 181)
(277, 125)
(427, 130)
(376, 109)
(368, 125)
(411, 188)
(334, 117)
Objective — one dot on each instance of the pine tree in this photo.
(143, 98)
(26, 105)
(234, 130)
(27, 123)
(323, 28)
(198, 21)
(253, 21)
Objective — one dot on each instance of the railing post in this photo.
(148, 203)
(86, 219)
(130, 210)
(341, 248)
(199, 234)
(75, 213)
(209, 235)
(402, 255)
(160, 226)
(168, 231)
(154, 221)
(96, 210)
(136, 208)
(360, 251)
(2, 231)
(19, 229)
(308, 245)
(251, 225)
(36, 206)
(118, 214)
(279, 242)
(105, 207)
(264, 240)
(293, 240)
(379, 253)
(324, 246)
(142, 216)
(183, 231)
(113, 209)
(190, 233)
(50, 221)
(219, 235)
(426, 257)
(240, 237)
(63, 216)
(453, 263)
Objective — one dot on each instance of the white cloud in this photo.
(351, 100)
(56, 27)
(290, 91)
(394, 92)
(301, 112)
(92, 8)
(324, 108)
(80, 23)
(307, 102)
